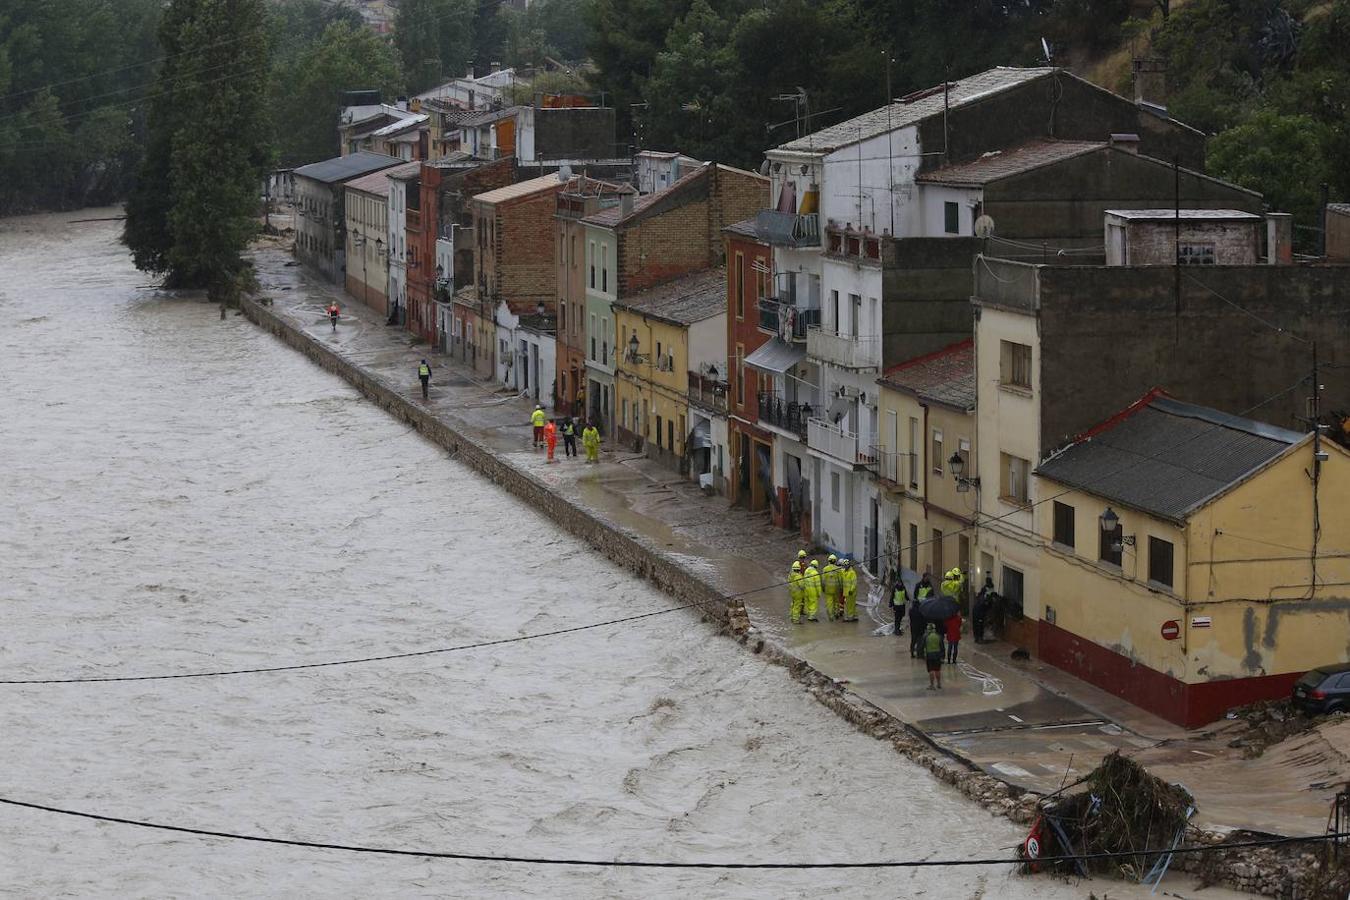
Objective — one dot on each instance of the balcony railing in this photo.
(842, 350)
(834, 441)
(788, 229)
(894, 466)
(773, 311)
(707, 393)
(788, 415)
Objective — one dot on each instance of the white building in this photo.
(397, 246)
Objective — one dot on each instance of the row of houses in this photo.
(965, 329)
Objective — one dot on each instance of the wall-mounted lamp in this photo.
(633, 355)
(957, 464)
(1110, 522)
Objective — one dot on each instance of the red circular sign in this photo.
(1171, 630)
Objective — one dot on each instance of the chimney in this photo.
(1129, 143)
(1279, 238)
(625, 204)
(494, 67)
(401, 103)
(1150, 81)
(469, 74)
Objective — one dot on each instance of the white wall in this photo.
(871, 184)
(396, 242)
(708, 344)
(932, 202)
(851, 278)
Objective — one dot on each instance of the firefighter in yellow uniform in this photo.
(812, 580)
(848, 580)
(953, 582)
(796, 586)
(829, 578)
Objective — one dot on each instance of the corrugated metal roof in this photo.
(401, 125)
(683, 301)
(1166, 457)
(776, 356)
(377, 183)
(345, 168)
(998, 164)
(926, 103)
(522, 189)
(946, 377)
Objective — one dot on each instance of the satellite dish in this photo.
(984, 226)
(764, 167)
(565, 173)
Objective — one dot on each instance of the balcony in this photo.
(707, 393)
(788, 229)
(789, 415)
(773, 311)
(834, 441)
(896, 468)
(842, 350)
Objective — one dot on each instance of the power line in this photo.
(347, 662)
(664, 864)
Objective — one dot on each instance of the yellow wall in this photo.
(1227, 565)
(665, 392)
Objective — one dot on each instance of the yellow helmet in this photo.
(815, 562)
(833, 558)
(845, 562)
(801, 554)
(796, 565)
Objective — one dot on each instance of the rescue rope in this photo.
(660, 864)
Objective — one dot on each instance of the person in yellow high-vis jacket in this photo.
(590, 440)
(848, 581)
(811, 578)
(537, 419)
(796, 586)
(829, 579)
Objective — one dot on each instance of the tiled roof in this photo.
(1156, 215)
(946, 376)
(400, 126)
(683, 301)
(345, 168)
(377, 183)
(915, 108)
(488, 116)
(998, 164)
(744, 229)
(1342, 208)
(615, 215)
(1166, 457)
(521, 189)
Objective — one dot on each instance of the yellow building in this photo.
(666, 336)
(927, 415)
(1181, 563)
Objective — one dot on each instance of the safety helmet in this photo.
(801, 554)
(539, 406)
(833, 558)
(815, 562)
(845, 562)
(796, 565)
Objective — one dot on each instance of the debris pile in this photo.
(1266, 723)
(1120, 809)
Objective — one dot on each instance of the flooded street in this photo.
(181, 494)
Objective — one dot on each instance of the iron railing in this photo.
(788, 229)
(843, 350)
(772, 312)
(788, 415)
(838, 442)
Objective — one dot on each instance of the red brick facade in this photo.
(748, 265)
(513, 240)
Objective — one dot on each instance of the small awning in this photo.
(701, 437)
(776, 357)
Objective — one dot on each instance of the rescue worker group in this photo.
(546, 432)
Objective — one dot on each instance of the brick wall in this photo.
(744, 333)
(737, 196)
(664, 246)
(526, 234)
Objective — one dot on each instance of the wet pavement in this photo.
(1021, 721)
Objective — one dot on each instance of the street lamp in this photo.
(633, 355)
(957, 463)
(1110, 522)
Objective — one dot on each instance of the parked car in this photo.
(1324, 690)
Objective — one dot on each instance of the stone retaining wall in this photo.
(1275, 873)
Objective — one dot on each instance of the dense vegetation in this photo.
(713, 78)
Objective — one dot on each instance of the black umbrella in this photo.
(937, 609)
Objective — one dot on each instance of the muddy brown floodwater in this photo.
(180, 494)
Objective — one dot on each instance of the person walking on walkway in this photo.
(812, 579)
(333, 313)
(932, 656)
(829, 579)
(796, 591)
(980, 612)
(898, 598)
(590, 439)
(550, 438)
(569, 434)
(848, 586)
(953, 627)
(424, 376)
(537, 419)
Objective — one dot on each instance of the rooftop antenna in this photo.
(1045, 48)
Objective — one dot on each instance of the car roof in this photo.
(1335, 669)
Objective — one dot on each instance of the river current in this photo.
(180, 493)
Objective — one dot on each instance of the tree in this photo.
(435, 39)
(305, 90)
(1279, 155)
(195, 205)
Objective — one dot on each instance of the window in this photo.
(913, 453)
(623, 412)
(562, 314)
(659, 355)
(592, 262)
(834, 311)
(937, 551)
(740, 285)
(963, 451)
(1013, 486)
(658, 431)
(855, 314)
(834, 491)
(1063, 524)
(593, 336)
(670, 432)
(604, 268)
(740, 374)
(1015, 364)
(1160, 561)
(938, 458)
(1012, 592)
(913, 547)
(1195, 255)
(951, 217)
(1109, 550)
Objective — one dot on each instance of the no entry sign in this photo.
(1171, 630)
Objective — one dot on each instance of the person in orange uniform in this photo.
(550, 438)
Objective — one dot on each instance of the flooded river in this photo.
(182, 494)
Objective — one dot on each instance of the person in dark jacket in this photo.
(898, 600)
(979, 613)
(916, 623)
(569, 435)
